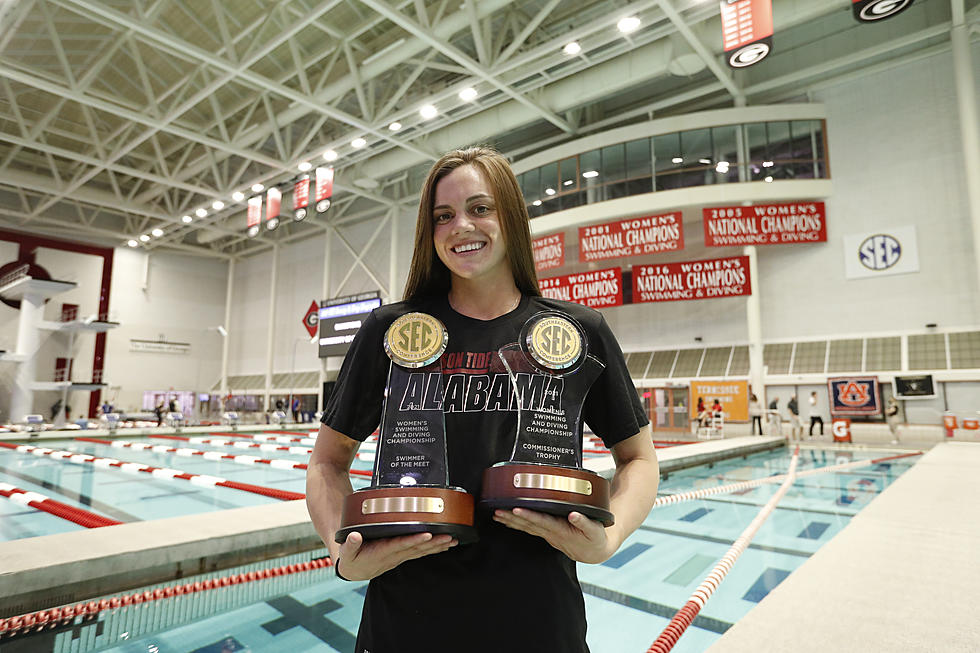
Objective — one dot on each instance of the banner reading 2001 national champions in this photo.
(595, 289)
(765, 224)
(667, 282)
(634, 237)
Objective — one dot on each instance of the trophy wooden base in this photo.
(392, 511)
(546, 488)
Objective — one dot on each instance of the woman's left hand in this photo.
(580, 538)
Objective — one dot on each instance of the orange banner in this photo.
(733, 395)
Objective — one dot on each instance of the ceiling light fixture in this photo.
(628, 24)
(549, 191)
(677, 159)
(395, 126)
(768, 180)
(144, 238)
(201, 213)
(468, 94)
(428, 112)
(572, 49)
(187, 219)
(238, 196)
(536, 202)
(304, 166)
(157, 232)
(217, 205)
(330, 155)
(589, 174)
(358, 143)
(705, 161)
(257, 188)
(132, 243)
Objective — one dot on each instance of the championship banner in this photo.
(254, 215)
(324, 189)
(854, 395)
(667, 282)
(870, 11)
(733, 396)
(301, 198)
(549, 252)
(273, 202)
(596, 289)
(746, 31)
(648, 235)
(765, 224)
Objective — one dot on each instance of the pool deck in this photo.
(902, 576)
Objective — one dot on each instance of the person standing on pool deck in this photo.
(796, 428)
(815, 416)
(515, 589)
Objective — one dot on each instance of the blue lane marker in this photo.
(627, 554)
(814, 530)
(764, 584)
(696, 514)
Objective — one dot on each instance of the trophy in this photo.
(410, 491)
(550, 372)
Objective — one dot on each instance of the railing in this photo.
(15, 275)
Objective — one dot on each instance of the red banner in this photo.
(549, 251)
(254, 211)
(648, 235)
(301, 193)
(273, 202)
(324, 189)
(668, 282)
(596, 289)
(746, 31)
(765, 224)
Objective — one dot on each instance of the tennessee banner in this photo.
(254, 215)
(648, 235)
(854, 395)
(301, 198)
(765, 224)
(596, 289)
(733, 396)
(273, 202)
(549, 252)
(746, 31)
(869, 11)
(324, 189)
(667, 282)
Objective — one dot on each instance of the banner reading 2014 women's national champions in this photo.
(765, 224)
(667, 282)
(595, 289)
(651, 234)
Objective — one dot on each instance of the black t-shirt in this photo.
(510, 591)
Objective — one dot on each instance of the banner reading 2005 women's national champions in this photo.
(595, 289)
(765, 224)
(667, 282)
(634, 237)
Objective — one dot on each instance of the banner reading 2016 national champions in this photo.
(667, 282)
(595, 289)
(765, 224)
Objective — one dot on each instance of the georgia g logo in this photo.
(873, 10)
(854, 394)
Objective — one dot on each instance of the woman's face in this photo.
(466, 232)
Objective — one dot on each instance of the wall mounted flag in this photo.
(301, 198)
(273, 202)
(746, 31)
(254, 215)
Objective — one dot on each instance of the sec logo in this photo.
(879, 252)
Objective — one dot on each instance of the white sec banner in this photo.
(877, 253)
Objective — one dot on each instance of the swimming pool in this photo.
(629, 598)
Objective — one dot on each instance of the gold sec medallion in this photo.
(555, 342)
(415, 340)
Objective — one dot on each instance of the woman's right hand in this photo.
(360, 560)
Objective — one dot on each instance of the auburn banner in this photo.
(273, 202)
(254, 215)
(549, 252)
(854, 395)
(595, 289)
(869, 11)
(668, 282)
(746, 31)
(301, 198)
(648, 235)
(324, 189)
(765, 224)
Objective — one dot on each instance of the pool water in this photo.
(631, 597)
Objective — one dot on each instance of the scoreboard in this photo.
(341, 317)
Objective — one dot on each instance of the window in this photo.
(777, 357)
(809, 357)
(927, 352)
(883, 354)
(661, 364)
(715, 361)
(845, 355)
(688, 361)
(964, 350)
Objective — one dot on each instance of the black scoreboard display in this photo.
(340, 318)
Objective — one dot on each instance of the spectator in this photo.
(815, 416)
(891, 416)
(795, 426)
(755, 411)
(158, 411)
(295, 408)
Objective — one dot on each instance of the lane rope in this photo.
(187, 452)
(259, 437)
(239, 444)
(56, 508)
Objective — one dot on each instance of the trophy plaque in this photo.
(410, 491)
(550, 372)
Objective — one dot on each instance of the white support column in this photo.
(393, 293)
(969, 122)
(753, 318)
(28, 344)
(229, 289)
(324, 294)
(270, 343)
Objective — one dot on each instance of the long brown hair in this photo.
(428, 276)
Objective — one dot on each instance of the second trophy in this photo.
(550, 372)
(410, 491)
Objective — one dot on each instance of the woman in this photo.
(516, 588)
(755, 411)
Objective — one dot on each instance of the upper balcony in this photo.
(752, 154)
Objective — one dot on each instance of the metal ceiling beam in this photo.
(460, 57)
